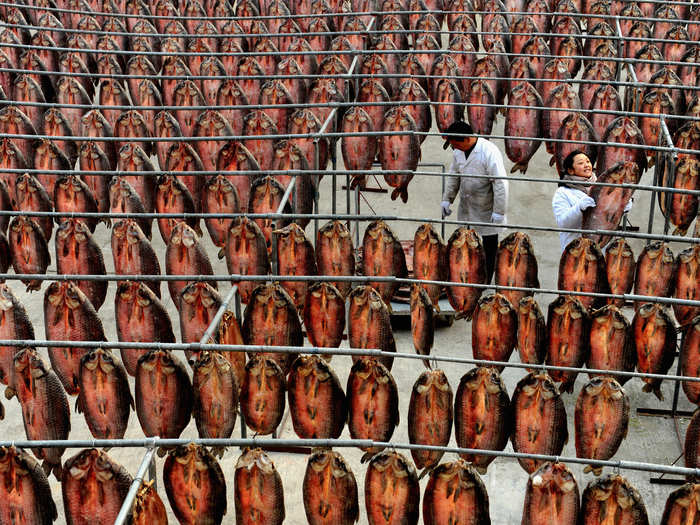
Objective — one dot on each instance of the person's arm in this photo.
(451, 183)
(499, 184)
(569, 214)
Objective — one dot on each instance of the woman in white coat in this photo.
(482, 199)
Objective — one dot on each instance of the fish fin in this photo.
(551, 161)
(426, 471)
(568, 387)
(404, 195)
(480, 470)
(78, 404)
(10, 392)
(426, 364)
(651, 162)
(587, 469)
(162, 451)
(461, 315)
(367, 456)
(57, 471)
(198, 229)
(502, 111)
(33, 286)
(395, 193)
(218, 451)
(2, 411)
(47, 468)
(107, 222)
(221, 253)
(680, 231)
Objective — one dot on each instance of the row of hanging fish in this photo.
(94, 487)
(166, 399)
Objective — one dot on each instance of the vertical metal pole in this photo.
(125, 509)
(619, 47)
(442, 192)
(317, 168)
(357, 212)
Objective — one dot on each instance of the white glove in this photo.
(628, 206)
(497, 218)
(446, 208)
(585, 203)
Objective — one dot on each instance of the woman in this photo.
(571, 197)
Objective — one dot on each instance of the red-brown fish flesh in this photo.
(612, 499)
(195, 485)
(324, 315)
(655, 270)
(373, 403)
(262, 394)
(329, 490)
(94, 486)
(45, 411)
(455, 494)
(25, 493)
(582, 269)
(69, 316)
(369, 323)
(335, 254)
(482, 415)
(141, 318)
(516, 265)
(611, 344)
(654, 335)
(316, 400)
(466, 264)
(392, 493)
(246, 254)
(215, 395)
(429, 259)
(601, 420)
(399, 151)
(104, 397)
(619, 268)
(258, 491)
(271, 319)
(383, 256)
(430, 417)
(551, 497)
(539, 419)
(77, 252)
(163, 393)
(494, 329)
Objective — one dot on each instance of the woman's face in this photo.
(582, 168)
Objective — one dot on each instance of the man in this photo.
(482, 199)
(572, 196)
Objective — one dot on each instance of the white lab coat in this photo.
(567, 213)
(478, 197)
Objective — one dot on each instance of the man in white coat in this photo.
(483, 198)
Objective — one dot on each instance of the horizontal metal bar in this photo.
(228, 138)
(290, 173)
(344, 443)
(339, 278)
(357, 352)
(337, 105)
(194, 36)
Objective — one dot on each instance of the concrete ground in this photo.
(650, 439)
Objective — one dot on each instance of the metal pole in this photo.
(125, 510)
(347, 443)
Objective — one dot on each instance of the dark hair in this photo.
(569, 162)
